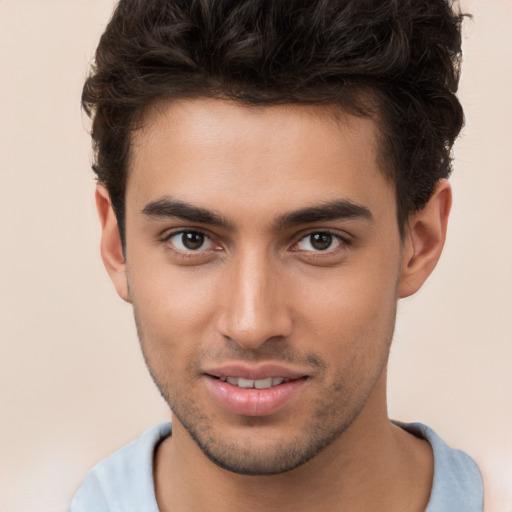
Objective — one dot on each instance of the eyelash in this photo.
(343, 243)
(185, 254)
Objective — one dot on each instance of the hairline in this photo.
(369, 105)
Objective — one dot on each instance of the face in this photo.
(262, 261)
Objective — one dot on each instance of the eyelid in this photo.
(344, 237)
(189, 252)
(343, 243)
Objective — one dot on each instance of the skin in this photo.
(257, 290)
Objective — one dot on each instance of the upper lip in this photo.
(254, 372)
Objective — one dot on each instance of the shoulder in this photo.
(123, 482)
(457, 483)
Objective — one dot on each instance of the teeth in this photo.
(245, 383)
(263, 383)
(258, 384)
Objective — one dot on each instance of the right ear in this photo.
(111, 246)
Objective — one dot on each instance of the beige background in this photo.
(73, 386)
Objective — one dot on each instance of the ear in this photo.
(111, 246)
(424, 240)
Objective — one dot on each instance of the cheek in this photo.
(353, 308)
(173, 304)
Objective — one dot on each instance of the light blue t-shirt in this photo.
(123, 482)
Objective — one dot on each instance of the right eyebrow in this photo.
(169, 208)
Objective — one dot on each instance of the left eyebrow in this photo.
(333, 210)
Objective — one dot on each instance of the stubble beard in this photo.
(338, 406)
(325, 426)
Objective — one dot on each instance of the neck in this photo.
(373, 465)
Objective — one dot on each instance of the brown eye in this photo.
(192, 240)
(319, 241)
(187, 241)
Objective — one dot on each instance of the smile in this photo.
(257, 384)
(254, 397)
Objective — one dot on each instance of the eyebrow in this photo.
(168, 207)
(333, 210)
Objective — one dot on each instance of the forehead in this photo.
(220, 154)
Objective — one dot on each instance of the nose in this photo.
(254, 304)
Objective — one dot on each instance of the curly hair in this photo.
(397, 60)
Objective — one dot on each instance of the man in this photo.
(271, 180)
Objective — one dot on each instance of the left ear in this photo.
(424, 240)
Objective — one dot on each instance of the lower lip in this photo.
(252, 401)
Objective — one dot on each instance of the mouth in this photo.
(255, 391)
(240, 382)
